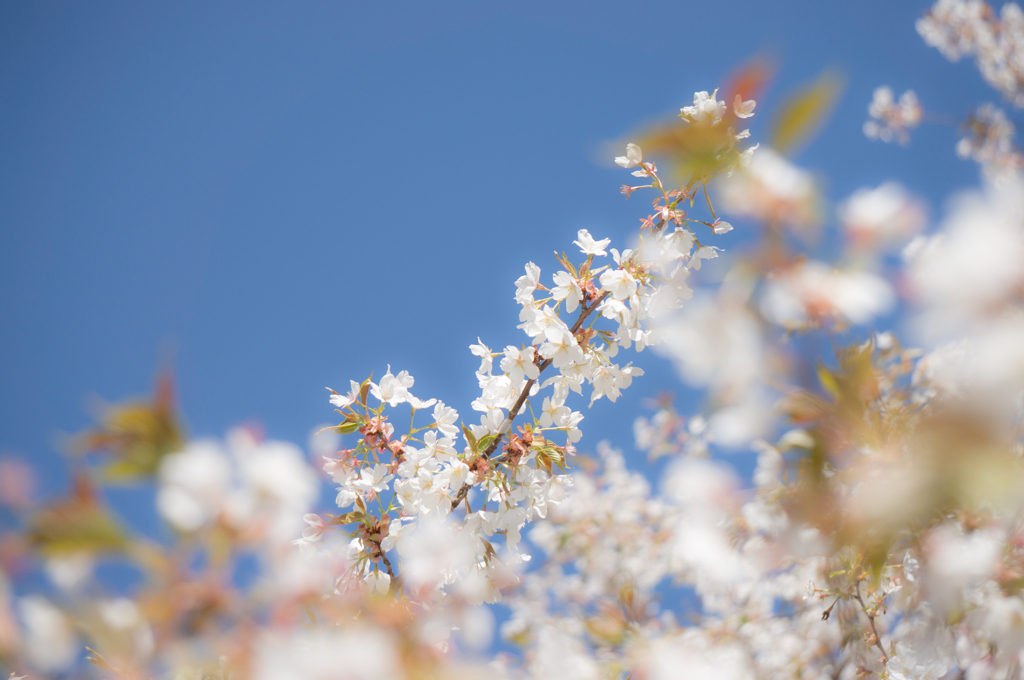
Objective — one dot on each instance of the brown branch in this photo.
(585, 313)
(396, 583)
(387, 562)
(871, 622)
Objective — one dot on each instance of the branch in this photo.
(396, 583)
(871, 622)
(387, 563)
(585, 313)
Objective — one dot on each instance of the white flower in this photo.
(623, 257)
(390, 390)
(885, 215)
(604, 383)
(440, 449)
(743, 109)
(518, 363)
(540, 320)
(345, 497)
(682, 241)
(744, 159)
(193, 484)
(119, 614)
(526, 284)
(315, 531)
(589, 246)
(619, 283)
(572, 426)
(394, 390)
(375, 480)
(49, 636)
(891, 120)
(567, 288)
(458, 473)
(771, 189)
(378, 582)
(395, 530)
(703, 253)
(813, 290)
(553, 414)
(445, 416)
(705, 109)
(486, 360)
(633, 156)
(415, 460)
(562, 349)
(69, 572)
(720, 227)
(341, 402)
(432, 550)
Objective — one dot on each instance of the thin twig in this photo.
(871, 622)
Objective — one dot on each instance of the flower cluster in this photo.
(989, 141)
(960, 28)
(394, 482)
(772, 189)
(885, 216)
(891, 119)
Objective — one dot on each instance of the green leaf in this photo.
(485, 441)
(803, 114)
(351, 423)
(693, 149)
(829, 382)
(348, 428)
(470, 439)
(136, 435)
(363, 390)
(76, 524)
(347, 518)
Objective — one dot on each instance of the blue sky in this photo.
(284, 196)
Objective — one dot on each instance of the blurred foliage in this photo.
(136, 435)
(693, 150)
(76, 524)
(804, 113)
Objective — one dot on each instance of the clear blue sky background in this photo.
(295, 194)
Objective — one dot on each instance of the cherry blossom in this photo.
(706, 109)
(633, 157)
(587, 243)
(891, 119)
(743, 109)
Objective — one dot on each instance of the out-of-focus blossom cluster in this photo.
(774, 190)
(962, 28)
(892, 119)
(989, 141)
(251, 484)
(881, 218)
